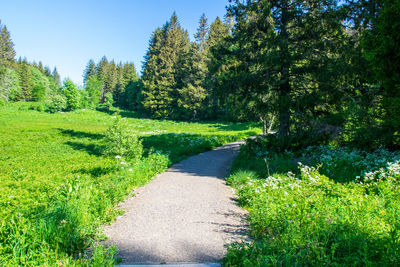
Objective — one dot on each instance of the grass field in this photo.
(57, 188)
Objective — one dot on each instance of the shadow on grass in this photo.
(96, 171)
(80, 134)
(91, 149)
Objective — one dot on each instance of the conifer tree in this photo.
(7, 53)
(289, 49)
(25, 79)
(56, 77)
(163, 68)
(194, 73)
(89, 71)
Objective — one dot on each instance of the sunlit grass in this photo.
(56, 185)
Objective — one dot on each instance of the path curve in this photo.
(185, 215)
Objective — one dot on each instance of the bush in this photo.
(56, 103)
(121, 141)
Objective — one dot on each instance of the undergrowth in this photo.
(321, 206)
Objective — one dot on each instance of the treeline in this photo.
(176, 81)
(315, 71)
(21, 80)
(108, 83)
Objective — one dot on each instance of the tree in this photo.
(193, 74)
(289, 52)
(94, 88)
(163, 67)
(7, 53)
(89, 71)
(381, 45)
(56, 77)
(25, 82)
(70, 91)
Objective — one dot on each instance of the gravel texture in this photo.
(185, 215)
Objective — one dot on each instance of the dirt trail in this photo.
(185, 215)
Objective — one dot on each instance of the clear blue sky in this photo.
(67, 33)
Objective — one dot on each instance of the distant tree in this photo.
(7, 53)
(38, 93)
(70, 91)
(94, 88)
(56, 77)
(25, 82)
(47, 71)
(89, 71)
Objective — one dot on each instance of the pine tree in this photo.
(89, 71)
(25, 79)
(288, 50)
(194, 73)
(56, 77)
(169, 48)
(217, 91)
(7, 53)
(381, 46)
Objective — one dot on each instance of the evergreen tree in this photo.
(56, 77)
(217, 90)
(163, 68)
(194, 73)
(289, 52)
(25, 79)
(94, 88)
(381, 45)
(7, 53)
(89, 71)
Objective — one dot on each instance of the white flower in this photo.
(118, 157)
(123, 163)
(130, 170)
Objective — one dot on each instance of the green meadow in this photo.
(58, 187)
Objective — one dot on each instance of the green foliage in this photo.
(70, 91)
(121, 141)
(9, 85)
(380, 43)
(57, 187)
(163, 69)
(7, 53)
(38, 93)
(56, 103)
(307, 218)
(94, 89)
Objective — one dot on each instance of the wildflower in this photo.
(123, 163)
(130, 170)
(118, 157)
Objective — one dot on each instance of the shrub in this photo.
(121, 141)
(56, 103)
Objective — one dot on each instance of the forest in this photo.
(319, 79)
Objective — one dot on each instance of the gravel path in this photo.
(185, 215)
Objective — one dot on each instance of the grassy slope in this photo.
(41, 152)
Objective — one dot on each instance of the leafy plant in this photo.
(121, 141)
